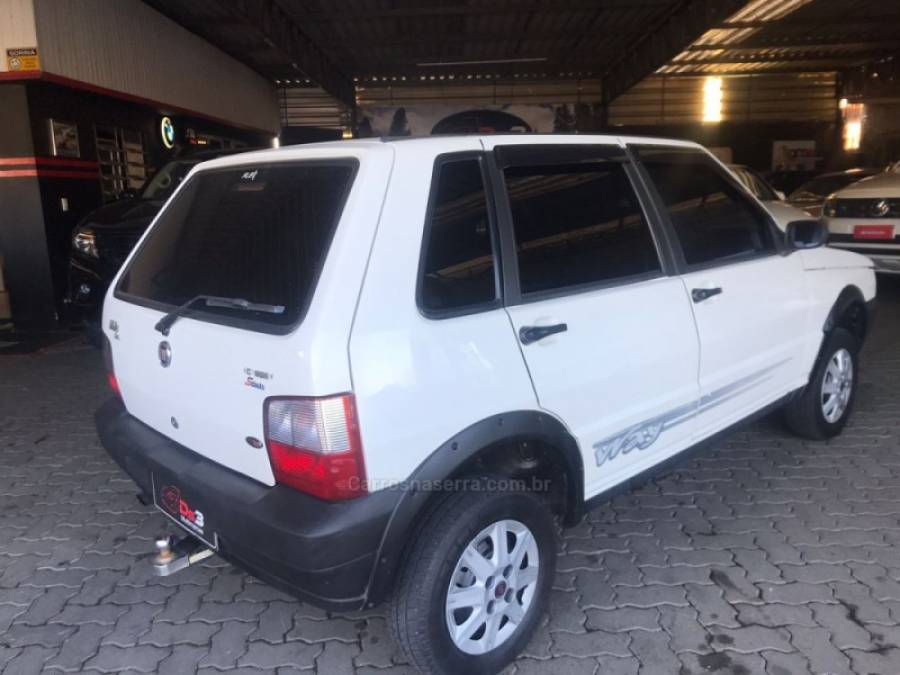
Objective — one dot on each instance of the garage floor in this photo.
(761, 555)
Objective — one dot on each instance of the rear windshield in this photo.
(258, 233)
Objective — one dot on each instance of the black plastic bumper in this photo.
(320, 551)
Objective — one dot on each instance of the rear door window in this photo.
(259, 233)
(577, 225)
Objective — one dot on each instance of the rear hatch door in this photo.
(257, 232)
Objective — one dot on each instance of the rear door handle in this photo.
(701, 294)
(529, 334)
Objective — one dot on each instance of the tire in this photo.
(420, 617)
(806, 414)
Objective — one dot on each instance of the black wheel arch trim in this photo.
(446, 461)
(848, 296)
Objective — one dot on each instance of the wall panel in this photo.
(129, 47)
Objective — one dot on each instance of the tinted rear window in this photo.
(259, 233)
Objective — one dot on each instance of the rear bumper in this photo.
(322, 552)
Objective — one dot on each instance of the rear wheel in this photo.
(822, 409)
(475, 582)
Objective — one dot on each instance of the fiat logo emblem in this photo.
(165, 354)
(881, 207)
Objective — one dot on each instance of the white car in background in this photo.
(772, 199)
(865, 218)
(812, 194)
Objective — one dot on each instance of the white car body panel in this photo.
(420, 381)
(751, 337)
(628, 359)
(632, 353)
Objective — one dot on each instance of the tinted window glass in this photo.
(458, 266)
(259, 233)
(577, 224)
(713, 218)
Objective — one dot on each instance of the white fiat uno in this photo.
(366, 370)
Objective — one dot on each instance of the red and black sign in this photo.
(170, 499)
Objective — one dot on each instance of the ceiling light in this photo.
(488, 62)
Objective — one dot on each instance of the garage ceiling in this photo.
(795, 36)
(338, 43)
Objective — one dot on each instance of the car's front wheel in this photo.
(475, 581)
(822, 409)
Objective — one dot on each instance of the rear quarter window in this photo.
(260, 233)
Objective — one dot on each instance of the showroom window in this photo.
(713, 218)
(458, 268)
(577, 225)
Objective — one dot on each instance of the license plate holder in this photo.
(874, 232)
(182, 508)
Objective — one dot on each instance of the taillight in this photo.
(110, 371)
(314, 445)
(114, 384)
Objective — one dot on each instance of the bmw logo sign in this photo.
(167, 131)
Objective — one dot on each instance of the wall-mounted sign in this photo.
(167, 132)
(794, 155)
(23, 58)
(64, 139)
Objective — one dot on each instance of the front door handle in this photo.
(701, 294)
(529, 334)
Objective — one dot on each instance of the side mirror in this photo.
(802, 234)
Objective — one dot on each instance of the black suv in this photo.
(105, 236)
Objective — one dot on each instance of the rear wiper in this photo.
(165, 323)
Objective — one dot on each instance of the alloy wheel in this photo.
(837, 385)
(492, 587)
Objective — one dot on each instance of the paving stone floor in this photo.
(762, 554)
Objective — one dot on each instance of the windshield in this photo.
(259, 234)
(825, 185)
(167, 179)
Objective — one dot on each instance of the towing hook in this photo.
(164, 554)
(173, 556)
